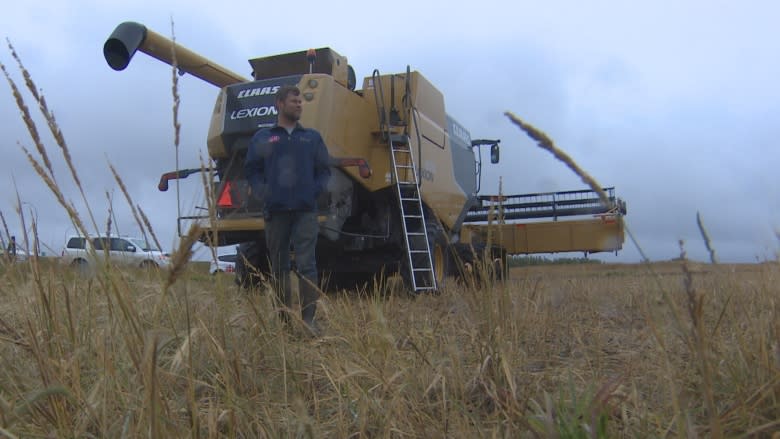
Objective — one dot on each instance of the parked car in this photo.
(223, 264)
(122, 250)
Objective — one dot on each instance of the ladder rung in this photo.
(418, 251)
(413, 183)
(410, 199)
(404, 166)
(416, 234)
(401, 150)
(413, 216)
(422, 269)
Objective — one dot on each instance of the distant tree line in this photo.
(524, 261)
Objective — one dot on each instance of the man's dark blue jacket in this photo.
(289, 171)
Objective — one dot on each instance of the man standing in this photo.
(287, 166)
(11, 250)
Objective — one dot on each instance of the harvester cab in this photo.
(404, 191)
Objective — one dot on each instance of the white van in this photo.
(123, 250)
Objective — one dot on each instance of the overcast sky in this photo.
(676, 104)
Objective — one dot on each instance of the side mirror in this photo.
(494, 153)
(130, 248)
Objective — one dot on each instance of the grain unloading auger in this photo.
(404, 192)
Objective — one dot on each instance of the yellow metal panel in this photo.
(232, 225)
(214, 141)
(346, 120)
(439, 190)
(427, 131)
(241, 224)
(428, 99)
(592, 235)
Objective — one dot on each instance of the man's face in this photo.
(291, 107)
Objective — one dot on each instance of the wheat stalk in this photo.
(69, 208)
(27, 119)
(698, 342)
(53, 126)
(110, 214)
(48, 115)
(5, 229)
(706, 237)
(130, 203)
(148, 226)
(175, 109)
(546, 143)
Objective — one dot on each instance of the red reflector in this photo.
(363, 168)
(225, 199)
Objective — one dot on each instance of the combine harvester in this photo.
(404, 192)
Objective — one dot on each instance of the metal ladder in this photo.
(418, 250)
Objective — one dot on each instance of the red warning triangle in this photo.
(225, 199)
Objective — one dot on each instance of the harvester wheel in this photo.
(251, 265)
(349, 281)
(479, 267)
(149, 265)
(500, 264)
(80, 266)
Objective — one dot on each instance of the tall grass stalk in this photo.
(699, 343)
(5, 230)
(175, 111)
(706, 238)
(142, 222)
(544, 142)
(53, 127)
(690, 328)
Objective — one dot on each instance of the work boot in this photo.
(307, 314)
(314, 328)
(284, 316)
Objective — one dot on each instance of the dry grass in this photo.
(553, 350)
(676, 349)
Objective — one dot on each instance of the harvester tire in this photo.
(478, 267)
(350, 281)
(251, 265)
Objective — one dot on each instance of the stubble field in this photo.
(655, 350)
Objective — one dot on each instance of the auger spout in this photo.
(130, 37)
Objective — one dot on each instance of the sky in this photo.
(675, 104)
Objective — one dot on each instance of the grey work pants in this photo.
(301, 229)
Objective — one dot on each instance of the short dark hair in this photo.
(285, 91)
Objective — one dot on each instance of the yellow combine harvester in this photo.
(403, 196)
